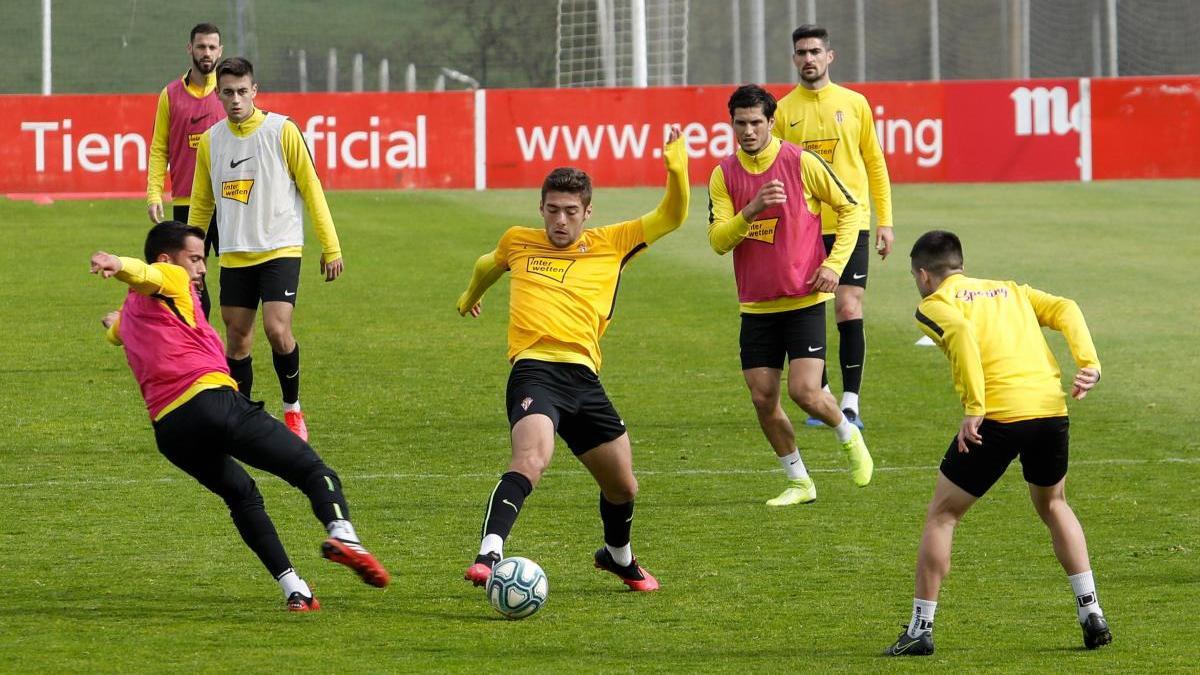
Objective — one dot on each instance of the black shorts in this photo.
(570, 395)
(1040, 443)
(211, 240)
(205, 435)
(855, 273)
(798, 334)
(276, 280)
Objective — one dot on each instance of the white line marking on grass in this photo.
(568, 472)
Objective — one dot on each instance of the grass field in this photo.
(112, 560)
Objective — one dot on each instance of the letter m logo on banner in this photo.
(1040, 111)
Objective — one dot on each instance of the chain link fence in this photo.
(296, 45)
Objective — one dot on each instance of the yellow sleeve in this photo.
(203, 203)
(143, 278)
(878, 182)
(726, 227)
(486, 273)
(113, 333)
(779, 128)
(955, 335)
(673, 209)
(822, 186)
(156, 171)
(300, 166)
(1064, 316)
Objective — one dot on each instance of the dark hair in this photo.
(235, 66)
(810, 30)
(169, 237)
(937, 252)
(752, 96)
(570, 180)
(204, 29)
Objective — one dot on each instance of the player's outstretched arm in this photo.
(673, 209)
(143, 278)
(485, 273)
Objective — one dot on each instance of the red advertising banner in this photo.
(1146, 127)
(929, 131)
(57, 144)
(991, 131)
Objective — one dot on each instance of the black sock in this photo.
(852, 350)
(205, 301)
(242, 372)
(259, 533)
(618, 521)
(505, 504)
(324, 491)
(287, 368)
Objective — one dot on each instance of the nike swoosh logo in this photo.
(900, 649)
(197, 119)
(293, 375)
(505, 501)
(794, 123)
(234, 165)
(793, 461)
(814, 349)
(857, 365)
(629, 519)
(289, 293)
(858, 276)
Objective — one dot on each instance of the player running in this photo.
(564, 285)
(1013, 406)
(202, 424)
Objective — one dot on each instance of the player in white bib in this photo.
(255, 170)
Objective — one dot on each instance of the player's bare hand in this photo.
(884, 238)
(109, 319)
(1085, 379)
(105, 264)
(333, 269)
(969, 432)
(770, 194)
(824, 280)
(155, 211)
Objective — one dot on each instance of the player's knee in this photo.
(805, 396)
(848, 311)
(243, 498)
(623, 492)
(317, 477)
(529, 464)
(765, 400)
(280, 337)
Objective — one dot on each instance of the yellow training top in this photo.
(562, 299)
(727, 227)
(836, 123)
(303, 173)
(991, 332)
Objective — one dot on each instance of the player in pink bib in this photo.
(764, 205)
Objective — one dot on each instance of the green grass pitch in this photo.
(112, 560)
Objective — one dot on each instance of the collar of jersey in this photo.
(760, 161)
(817, 95)
(210, 84)
(252, 123)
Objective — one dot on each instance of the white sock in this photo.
(850, 400)
(291, 407)
(827, 390)
(622, 555)
(793, 465)
(844, 430)
(291, 582)
(922, 617)
(492, 543)
(1086, 601)
(342, 529)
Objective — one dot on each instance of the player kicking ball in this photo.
(1014, 407)
(202, 424)
(564, 285)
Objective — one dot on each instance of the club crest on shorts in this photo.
(526, 403)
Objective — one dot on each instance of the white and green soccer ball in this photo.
(517, 587)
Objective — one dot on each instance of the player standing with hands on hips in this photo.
(258, 166)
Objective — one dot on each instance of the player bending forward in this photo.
(201, 422)
(1014, 407)
(564, 284)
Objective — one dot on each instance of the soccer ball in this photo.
(517, 587)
